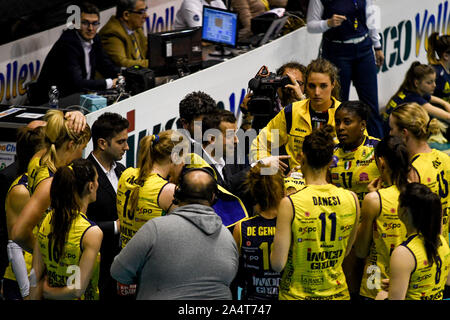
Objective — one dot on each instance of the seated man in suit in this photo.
(109, 136)
(74, 59)
(123, 38)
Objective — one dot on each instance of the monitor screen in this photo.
(166, 49)
(219, 26)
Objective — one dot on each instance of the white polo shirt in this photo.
(191, 12)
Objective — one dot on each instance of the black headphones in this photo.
(181, 195)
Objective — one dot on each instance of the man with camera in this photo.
(271, 92)
(293, 123)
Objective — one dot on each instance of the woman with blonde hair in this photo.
(61, 147)
(254, 236)
(145, 192)
(429, 166)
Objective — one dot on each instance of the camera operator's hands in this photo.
(114, 84)
(295, 87)
(243, 106)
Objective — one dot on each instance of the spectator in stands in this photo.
(419, 267)
(109, 139)
(440, 45)
(188, 254)
(123, 37)
(190, 13)
(61, 146)
(66, 238)
(418, 86)
(15, 283)
(249, 9)
(74, 59)
(297, 120)
(349, 38)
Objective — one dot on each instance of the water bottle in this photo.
(53, 96)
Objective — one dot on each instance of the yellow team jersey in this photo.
(354, 169)
(147, 206)
(324, 216)
(37, 173)
(62, 271)
(388, 233)
(433, 169)
(427, 281)
(9, 274)
(292, 182)
(277, 132)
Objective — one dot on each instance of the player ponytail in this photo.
(153, 149)
(424, 211)
(68, 187)
(393, 150)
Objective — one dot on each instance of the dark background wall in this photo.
(21, 18)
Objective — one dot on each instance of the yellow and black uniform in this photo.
(404, 96)
(147, 206)
(62, 269)
(293, 123)
(433, 169)
(9, 274)
(324, 216)
(354, 169)
(259, 281)
(427, 281)
(388, 233)
(442, 89)
(293, 182)
(37, 173)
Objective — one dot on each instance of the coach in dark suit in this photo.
(74, 59)
(109, 136)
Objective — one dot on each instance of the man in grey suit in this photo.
(109, 136)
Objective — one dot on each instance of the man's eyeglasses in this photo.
(141, 12)
(86, 23)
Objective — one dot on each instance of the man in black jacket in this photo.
(74, 59)
(109, 136)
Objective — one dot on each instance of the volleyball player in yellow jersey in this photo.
(293, 123)
(419, 267)
(144, 192)
(353, 167)
(66, 254)
(62, 146)
(15, 283)
(315, 229)
(380, 229)
(429, 166)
